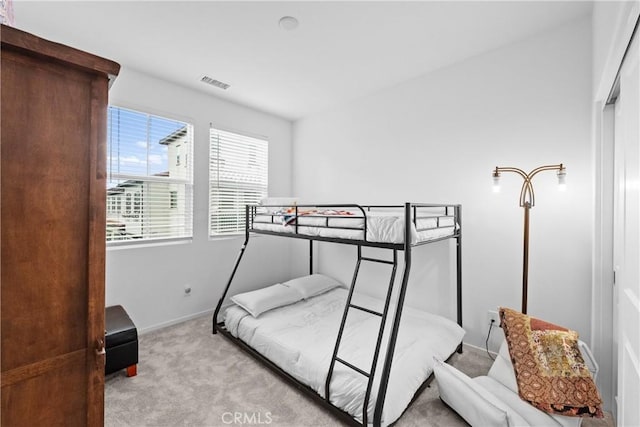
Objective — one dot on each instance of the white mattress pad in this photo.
(386, 227)
(300, 339)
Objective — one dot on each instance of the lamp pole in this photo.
(527, 201)
(525, 258)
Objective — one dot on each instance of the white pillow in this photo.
(265, 299)
(472, 401)
(310, 286)
(274, 204)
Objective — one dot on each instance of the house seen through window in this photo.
(238, 175)
(150, 177)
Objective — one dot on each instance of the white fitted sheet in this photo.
(385, 227)
(299, 338)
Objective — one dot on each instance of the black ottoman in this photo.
(121, 341)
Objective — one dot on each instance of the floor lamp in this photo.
(527, 201)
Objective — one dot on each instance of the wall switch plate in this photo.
(493, 315)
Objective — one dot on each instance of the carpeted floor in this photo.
(189, 377)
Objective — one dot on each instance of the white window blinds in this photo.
(238, 175)
(150, 177)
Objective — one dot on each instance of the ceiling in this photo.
(340, 51)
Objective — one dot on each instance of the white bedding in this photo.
(299, 338)
(387, 227)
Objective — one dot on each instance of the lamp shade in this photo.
(496, 182)
(562, 179)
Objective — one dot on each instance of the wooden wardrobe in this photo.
(52, 230)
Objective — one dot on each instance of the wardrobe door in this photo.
(52, 235)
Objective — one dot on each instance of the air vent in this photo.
(214, 82)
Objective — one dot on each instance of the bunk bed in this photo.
(313, 312)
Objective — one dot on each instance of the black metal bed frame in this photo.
(410, 216)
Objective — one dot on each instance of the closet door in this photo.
(627, 237)
(52, 233)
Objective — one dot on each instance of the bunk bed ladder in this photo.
(383, 317)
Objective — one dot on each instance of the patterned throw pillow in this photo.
(550, 371)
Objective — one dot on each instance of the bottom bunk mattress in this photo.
(300, 339)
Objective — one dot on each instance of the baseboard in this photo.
(168, 323)
(477, 349)
(174, 322)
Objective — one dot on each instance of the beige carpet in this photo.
(189, 377)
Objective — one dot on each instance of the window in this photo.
(238, 171)
(150, 177)
(137, 203)
(174, 199)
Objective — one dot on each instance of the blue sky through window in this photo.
(133, 142)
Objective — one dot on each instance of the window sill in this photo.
(148, 243)
(232, 237)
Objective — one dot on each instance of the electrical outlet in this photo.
(493, 316)
(187, 290)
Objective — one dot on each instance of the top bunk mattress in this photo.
(300, 338)
(382, 226)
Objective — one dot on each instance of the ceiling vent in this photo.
(214, 82)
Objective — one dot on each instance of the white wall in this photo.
(149, 281)
(437, 139)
